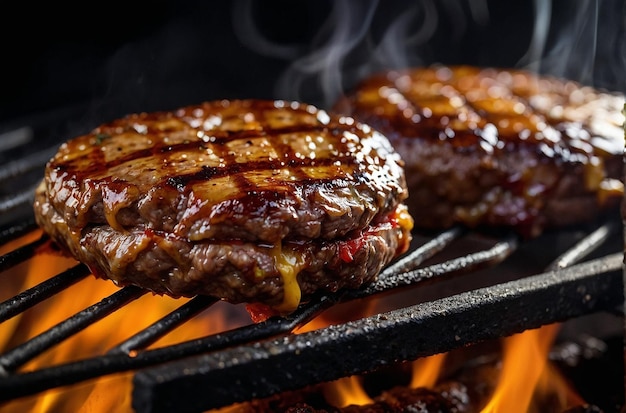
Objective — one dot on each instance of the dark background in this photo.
(66, 69)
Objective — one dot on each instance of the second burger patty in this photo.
(497, 147)
(246, 200)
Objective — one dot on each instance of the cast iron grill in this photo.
(266, 358)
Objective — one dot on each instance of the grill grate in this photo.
(265, 358)
(581, 289)
(262, 369)
(13, 385)
(266, 368)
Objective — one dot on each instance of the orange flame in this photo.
(347, 391)
(526, 372)
(426, 371)
(107, 394)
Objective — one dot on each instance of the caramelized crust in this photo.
(497, 147)
(249, 201)
(259, 171)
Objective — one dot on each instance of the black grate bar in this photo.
(472, 262)
(422, 253)
(26, 164)
(292, 362)
(166, 324)
(585, 246)
(18, 199)
(42, 291)
(15, 138)
(17, 230)
(20, 254)
(14, 358)
(29, 383)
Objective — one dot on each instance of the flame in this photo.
(347, 391)
(527, 382)
(526, 377)
(526, 373)
(106, 394)
(426, 371)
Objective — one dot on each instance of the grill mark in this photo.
(463, 138)
(216, 139)
(432, 127)
(562, 145)
(237, 171)
(289, 159)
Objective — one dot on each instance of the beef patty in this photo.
(494, 147)
(246, 200)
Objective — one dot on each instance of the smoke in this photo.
(394, 49)
(329, 50)
(570, 48)
(356, 39)
(247, 31)
(319, 71)
(582, 42)
(532, 59)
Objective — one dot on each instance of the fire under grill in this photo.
(465, 288)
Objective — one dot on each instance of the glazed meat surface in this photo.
(246, 200)
(498, 148)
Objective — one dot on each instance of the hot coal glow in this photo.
(109, 394)
(514, 374)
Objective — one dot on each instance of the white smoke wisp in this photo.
(329, 50)
(532, 59)
(572, 52)
(396, 48)
(586, 44)
(359, 37)
(315, 69)
(246, 30)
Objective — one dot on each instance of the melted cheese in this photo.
(403, 218)
(289, 263)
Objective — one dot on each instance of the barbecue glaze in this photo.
(497, 147)
(247, 200)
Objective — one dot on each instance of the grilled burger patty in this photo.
(246, 200)
(492, 147)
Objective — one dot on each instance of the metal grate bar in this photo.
(23, 197)
(37, 294)
(20, 255)
(15, 138)
(454, 267)
(14, 231)
(26, 164)
(293, 362)
(163, 326)
(14, 358)
(421, 254)
(575, 254)
(28, 383)
(586, 246)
